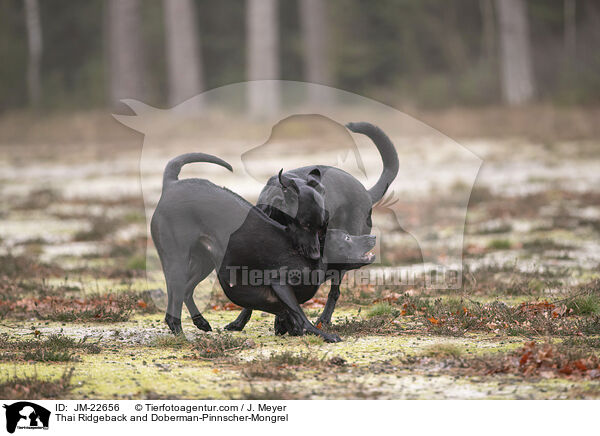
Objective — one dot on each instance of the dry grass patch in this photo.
(36, 388)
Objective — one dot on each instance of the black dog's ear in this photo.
(287, 182)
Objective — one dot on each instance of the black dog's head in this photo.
(308, 218)
(342, 248)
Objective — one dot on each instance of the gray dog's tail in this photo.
(174, 166)
(388, 153)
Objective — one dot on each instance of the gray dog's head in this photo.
(342, 248)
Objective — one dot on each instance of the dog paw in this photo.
(331, 337)
(280, 325)
(201, 323)
(233, 327)
(174, 324)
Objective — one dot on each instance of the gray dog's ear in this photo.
(314, 181)
(316, 174)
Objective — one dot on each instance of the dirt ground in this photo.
(79, 319)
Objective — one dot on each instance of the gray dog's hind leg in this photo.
(332, 298)
(199, 273)
(240, 322)
(174, 324)
(175, 275)
(298, 319)
(197, 317)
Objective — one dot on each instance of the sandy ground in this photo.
(532, 223)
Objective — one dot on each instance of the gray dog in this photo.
(347, 202)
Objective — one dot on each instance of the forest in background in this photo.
(64, 55)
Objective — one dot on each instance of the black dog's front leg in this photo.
(284, 323)
(240, 322)
(288, 298)
(332, 298)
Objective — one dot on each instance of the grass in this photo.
(276, 393)
(356, 326)
(101, 308)
(289, 358)
(36, 388)
(582, 342)
(54, 348)
(443, 350)
(499, 244)
(22, 266)
(545, 244)
(259, 369)
(219, 344)
(136, 262)
(585, 304)
(277, 365)
(382, 309)
(100, 227)
(170, 341)
(39, 198)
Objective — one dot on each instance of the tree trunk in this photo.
(488, 40)
(263, 56)
(125, 50)
(34, 38)
(314, 34)
(515, 52)
(184, 66)
(570, 35)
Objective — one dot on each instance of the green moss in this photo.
(499, 244)
(136, 262)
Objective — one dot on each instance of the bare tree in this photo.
(34, 38)
(125, 50)
(314, 34)
(184, 66)
(515, 52)
(263, 56)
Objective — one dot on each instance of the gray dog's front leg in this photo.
(332, 298)
(240, 322)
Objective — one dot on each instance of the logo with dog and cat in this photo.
(25, 415)
(375, 171)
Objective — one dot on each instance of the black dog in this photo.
(348, 203)
(198, 226)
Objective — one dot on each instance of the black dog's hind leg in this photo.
(240, 322)
(332, 298)
(299, 321)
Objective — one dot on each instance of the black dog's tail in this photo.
(388, 154)
(174, 166)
